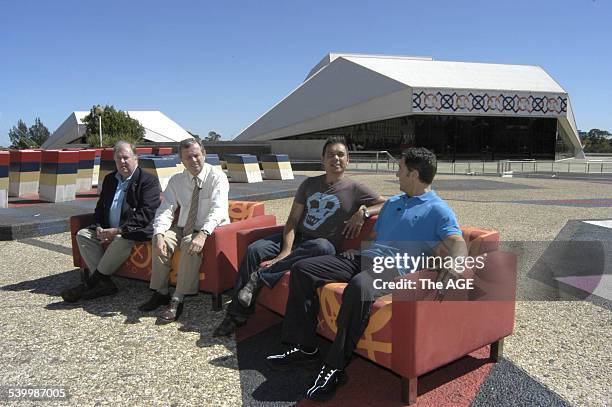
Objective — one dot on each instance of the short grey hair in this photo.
(188, 142)
(122, 143)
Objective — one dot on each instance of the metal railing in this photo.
(373, 160)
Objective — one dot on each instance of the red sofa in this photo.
(220, 262)
(415, 337)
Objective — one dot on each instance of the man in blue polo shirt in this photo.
(412, 225)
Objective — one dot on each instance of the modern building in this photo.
(159, 128)
(460, 110)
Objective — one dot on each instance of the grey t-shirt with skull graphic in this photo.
(327, 207)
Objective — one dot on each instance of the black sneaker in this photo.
(292, 358)
(156, 301)
(103, 288)
(326, 383)
(227, 326)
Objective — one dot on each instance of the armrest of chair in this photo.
(428, 334)
(77, 223)
(220, 249)
(355, 243)
(245, 237)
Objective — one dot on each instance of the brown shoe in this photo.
(172, 312)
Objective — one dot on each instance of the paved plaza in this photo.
(106, 353)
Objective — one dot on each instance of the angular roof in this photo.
(159, 128)
(346, 89)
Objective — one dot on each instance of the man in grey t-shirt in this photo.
(326, 209)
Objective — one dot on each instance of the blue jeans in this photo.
(268, 248)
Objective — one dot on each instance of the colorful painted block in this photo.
(58, 175)
(5, 159)
(24, 172)
(107, 165)
(213, 159)
(144, 150)
(85, 170)
(243, 168)
(162, 167)
(162, 150)
(276, 166)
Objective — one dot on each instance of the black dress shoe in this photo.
(292, 358)
(172, 312)
(155, 302)
(101, 289)
(73, 294)
(326, 383)
(227, 326)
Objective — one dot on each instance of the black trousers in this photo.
(268, 248)
(300, 322)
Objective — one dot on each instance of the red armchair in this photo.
(220, 262)
(415, 337)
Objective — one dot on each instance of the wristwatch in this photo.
(366, 213)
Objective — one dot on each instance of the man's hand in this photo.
(270, 262)
(353, 225)
(106, 235)
(160, 245)
(350, 254)
(197, 244)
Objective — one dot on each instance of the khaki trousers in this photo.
(188, 274)
(105, 261)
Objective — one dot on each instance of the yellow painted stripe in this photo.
(31, 176)
(57, 179)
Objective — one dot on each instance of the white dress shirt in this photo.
(213, 207)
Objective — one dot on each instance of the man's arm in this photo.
(355, 222)
(148, 202)
(295, 215)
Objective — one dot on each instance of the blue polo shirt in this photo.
(114, 214)
(412, 225)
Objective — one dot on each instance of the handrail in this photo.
(386, 157)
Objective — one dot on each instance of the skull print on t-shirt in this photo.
(319, 207)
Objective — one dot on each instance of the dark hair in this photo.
(422, 160)
(188, 142)
(334, 140)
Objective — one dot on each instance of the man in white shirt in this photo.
(201, 193)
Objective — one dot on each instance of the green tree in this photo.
(597, 141)
(116, 125)
(38, 133)
(212, 136)
(19, 137)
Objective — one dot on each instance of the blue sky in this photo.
(220, 65)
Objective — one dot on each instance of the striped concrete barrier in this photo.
(213, 159)
(5, 159)
(85, 170)
(58, 175)
(243, 168)
(107, 165)
(96, 167)
(162, 167)
(276, 166)
(162, 150)
(24, 172)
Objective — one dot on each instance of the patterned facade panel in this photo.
(494, 103)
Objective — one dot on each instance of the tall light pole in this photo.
(99, 110)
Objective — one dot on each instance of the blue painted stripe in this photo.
(4, 171)
(240, 158)
(86, 164)
(275, 158)
(212, 159)
(157, 162)
(25, 167)
(59, 168)
(97, 161)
